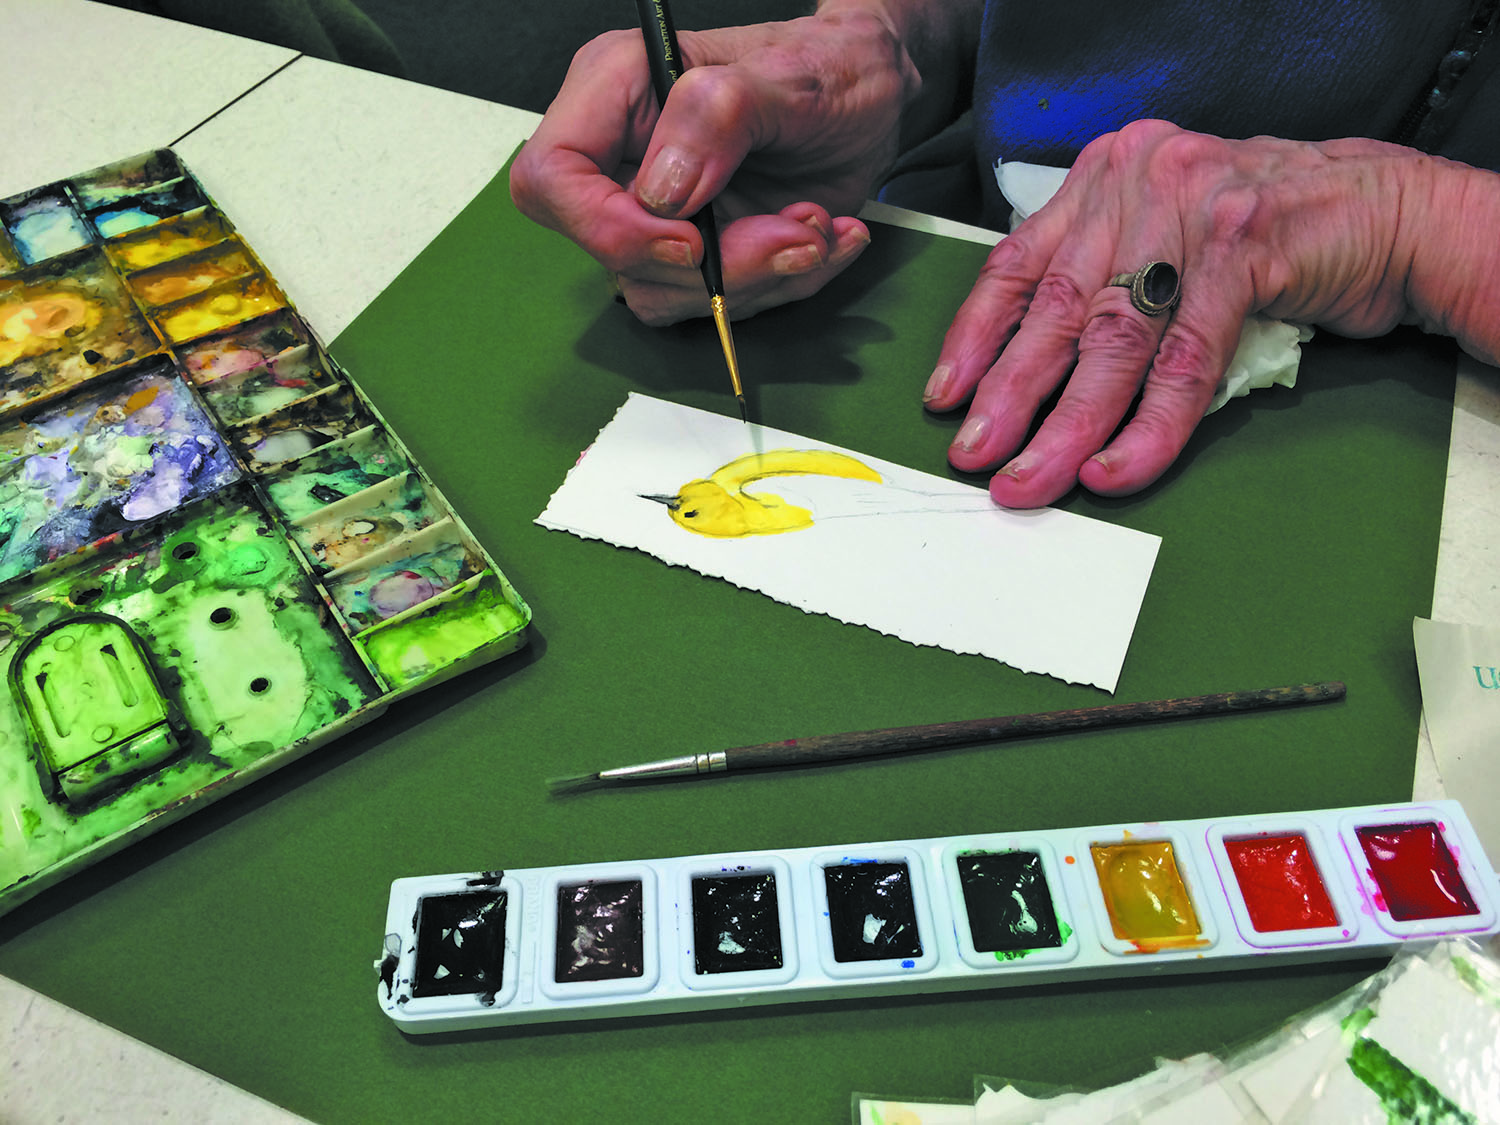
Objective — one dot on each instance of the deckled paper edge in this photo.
(550, 525)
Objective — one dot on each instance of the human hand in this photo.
(785, 126)
(1304, 232)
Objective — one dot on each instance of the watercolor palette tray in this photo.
(215, 555)
(587, 941)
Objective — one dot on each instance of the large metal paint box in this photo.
(215, 556)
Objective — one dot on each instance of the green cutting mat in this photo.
(1300, 531)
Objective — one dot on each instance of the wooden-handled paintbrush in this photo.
(933, 736)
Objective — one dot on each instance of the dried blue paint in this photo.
(105, 462)
(43, 225)
(161, 202)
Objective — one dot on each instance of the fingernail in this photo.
(972, 432)
(854, 244)
(669, 181)
(1108, 460)
(1018, 466)
(816, 222)
(672, 252)
(796, 260)
(937, 385)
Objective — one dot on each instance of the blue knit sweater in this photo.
(1052, 76)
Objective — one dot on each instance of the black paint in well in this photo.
(600, 931)
(460, 944)
(736, 923)
(1008, 902)
(871, 912)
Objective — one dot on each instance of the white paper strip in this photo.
(909, 554)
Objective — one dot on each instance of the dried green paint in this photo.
(1405, 1096)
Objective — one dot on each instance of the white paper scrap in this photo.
(871, 543)
(1459, 668)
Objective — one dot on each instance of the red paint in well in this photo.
(1417, 874)
(1280, 883)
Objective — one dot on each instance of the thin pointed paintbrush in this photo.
(666, 68)
(934, 736)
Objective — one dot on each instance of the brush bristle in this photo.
(561, 786)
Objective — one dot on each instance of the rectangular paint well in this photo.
(109, 184)
(600, 931)
(305, 486)
(122, 453)
(447, 633)
(68, 321)
(167, 635)
(244, 346)
(300, 427)
(1145, 894)
(146, 208)
(937, 915)
(871, 913)
(1416, 871)
(43, 224)
(218, 307)
(1280, 882)
(292, 375)
(168, 240)
(736, 923)
(1007, 902)
(460, 943)
(192, 274)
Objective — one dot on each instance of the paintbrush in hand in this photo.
(666, 68)
(934, 736)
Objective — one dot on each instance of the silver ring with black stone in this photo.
(1155, 288)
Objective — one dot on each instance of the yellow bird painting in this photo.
(724, 506)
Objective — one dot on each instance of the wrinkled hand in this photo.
(786, 126)
(1298, 231)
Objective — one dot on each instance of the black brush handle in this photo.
(665, 59)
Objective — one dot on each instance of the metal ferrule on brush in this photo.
(713, 762)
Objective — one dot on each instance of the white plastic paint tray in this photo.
(589, 941)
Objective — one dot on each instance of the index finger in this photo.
(572, 175)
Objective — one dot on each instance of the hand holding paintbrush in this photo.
(908, 740)
(666, 68)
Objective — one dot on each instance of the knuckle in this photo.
(716, 95)
(1013, 256)
(648, 305)
(1123, 149)
(1084, 420)
(1058, 296)
(1117, 333)
(1236, 213)
(605, 46)
(1177, 155)
(1009, 274)
(1184, 363)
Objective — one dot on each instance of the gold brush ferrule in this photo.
(726, 340)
